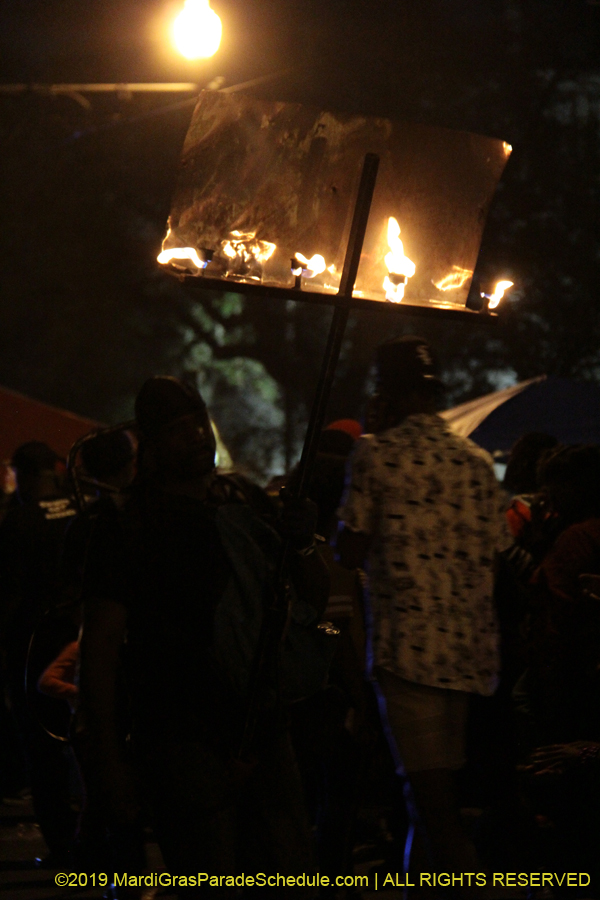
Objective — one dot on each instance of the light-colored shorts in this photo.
(428, 724)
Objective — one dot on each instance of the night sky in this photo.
(81, 328)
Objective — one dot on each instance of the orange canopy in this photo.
(23, 419)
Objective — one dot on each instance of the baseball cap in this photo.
(163, 399)
(339, 437)
(406, 361)
(349, 426)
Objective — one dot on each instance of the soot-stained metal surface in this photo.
(263, 183)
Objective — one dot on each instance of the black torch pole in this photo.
(338, 322)
(275, 619)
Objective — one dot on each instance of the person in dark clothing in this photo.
(532, 533)
(564, 651)
(108, 466)
(521, 475)
(334, 731)
(31, 541)
(186, 568)
(561, 691)
(32, 536)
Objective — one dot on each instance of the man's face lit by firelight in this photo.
(185, 448)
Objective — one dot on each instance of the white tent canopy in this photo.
(464, 419)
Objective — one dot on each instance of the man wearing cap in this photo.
(424, 512)
(188, 542)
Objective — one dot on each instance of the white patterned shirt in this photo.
(434, 512)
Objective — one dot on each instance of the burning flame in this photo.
(400, 267)
(495, 298)
(244, 247)
(310, 267)
(246, 254)
(197, 30)
(454, 280)
(166, 256)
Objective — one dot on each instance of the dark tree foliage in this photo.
(87, 314)
(80, 294)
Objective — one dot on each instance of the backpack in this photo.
(307, 648)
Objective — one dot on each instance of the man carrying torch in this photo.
(424, 514)
(186, 571)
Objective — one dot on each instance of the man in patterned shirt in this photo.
(424, 512)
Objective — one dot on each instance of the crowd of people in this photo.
(240, 670)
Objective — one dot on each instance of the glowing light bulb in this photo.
(197, 30)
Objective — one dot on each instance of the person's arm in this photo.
(58, 680)
(308, 572)
(556, 759)
(357, 513)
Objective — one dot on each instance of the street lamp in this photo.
(197, 30)
(196, 34)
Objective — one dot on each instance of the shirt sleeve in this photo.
(357, 513)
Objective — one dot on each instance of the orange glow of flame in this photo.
(397, 263)
(454, 280)
(498, 294)
(244, 246)
(310, 267)
(187, 253)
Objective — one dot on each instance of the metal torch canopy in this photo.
(266, 192)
